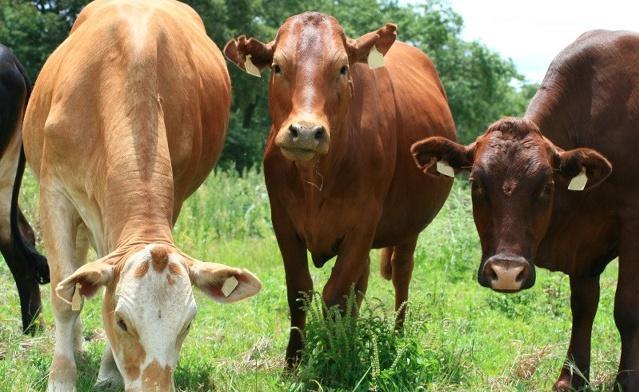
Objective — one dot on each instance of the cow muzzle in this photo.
(507, 273)
(302, 141)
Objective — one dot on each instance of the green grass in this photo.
(459, 336)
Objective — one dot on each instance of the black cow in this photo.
(17, 240)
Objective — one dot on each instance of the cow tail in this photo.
(385, 267)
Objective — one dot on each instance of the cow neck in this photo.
(138, 191)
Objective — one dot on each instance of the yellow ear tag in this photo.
(578, 182)
(250, 68)
(375, 58)
(76, 301)
(229, 285)
(444, 168)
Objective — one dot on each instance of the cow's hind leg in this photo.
(60, 223)
(627, 310)
(402, 262)
(584, 299)
(15, 256)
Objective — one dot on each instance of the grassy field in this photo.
(459, 336)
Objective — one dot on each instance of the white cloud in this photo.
(532, 33)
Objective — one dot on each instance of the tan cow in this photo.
(126, 120)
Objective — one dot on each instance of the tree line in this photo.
(481, 85)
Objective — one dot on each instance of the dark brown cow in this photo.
(522, 171)
(338, 170)
(17, 241)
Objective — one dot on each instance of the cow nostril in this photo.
(293, 130)
(492, 273)
(319, 133)
(521, 275)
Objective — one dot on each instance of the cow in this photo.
(338, 171)
(127, 118)
(17, 239)
(559, 189)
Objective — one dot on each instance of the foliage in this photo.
(481, 85)
(367, 353)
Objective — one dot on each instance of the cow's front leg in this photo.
(59, 224)
(584, 299)
(109, 376)
(298, 280)
(627, 313)
(351, 268)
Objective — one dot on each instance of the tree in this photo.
(481, 85)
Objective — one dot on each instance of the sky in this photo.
(532, 33)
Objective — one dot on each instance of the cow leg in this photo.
(18, 262)
(37, 261)
(80, 257)
(627, 312)
(402, 263)
(26, 283)
(362, 284)
(351, 267)
(59, 223)
(298, 281)
(109, 376)
(584, 299)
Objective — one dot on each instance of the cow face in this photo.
(514, 171)
(149, 305)
(311, 86)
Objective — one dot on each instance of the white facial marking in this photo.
(158, 305)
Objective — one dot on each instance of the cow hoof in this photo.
(562, 385)
(110, 383)
(61, 386)
(109, 376)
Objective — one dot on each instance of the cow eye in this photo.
(122, 325)
(344, 70)
(475, 186)
(276, 69)
(547, 190)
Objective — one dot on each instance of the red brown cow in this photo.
(526, 175)
(338, 170)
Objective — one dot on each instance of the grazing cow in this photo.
(126, 120)
(337, 165)
(526, 177)
(17, 240)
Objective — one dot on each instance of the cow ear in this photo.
(440, 156)
(223, 283)
(85, 282)
(585, 168)
(372, 47)
(249, 54)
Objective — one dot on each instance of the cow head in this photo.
(311, 85)
(514, 171)
(149, 305)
